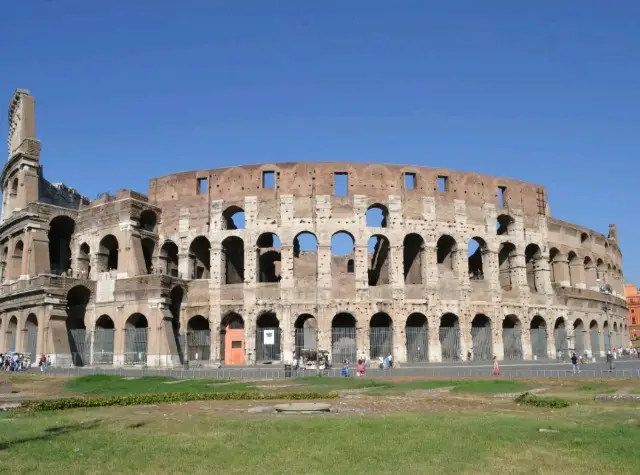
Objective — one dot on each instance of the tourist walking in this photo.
(496, 367)
(574, 362)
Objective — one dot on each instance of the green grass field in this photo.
(120, 440)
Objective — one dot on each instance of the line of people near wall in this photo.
(13, 361)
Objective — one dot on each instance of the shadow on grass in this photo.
(51, 433)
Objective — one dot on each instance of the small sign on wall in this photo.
(269, 337)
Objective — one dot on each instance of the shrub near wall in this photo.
(166, 398)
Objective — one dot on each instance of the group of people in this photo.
(13, 361)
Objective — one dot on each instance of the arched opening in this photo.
(14, 187)
(600, 273)
(232, 339)
(378, 250)
(148, 221)
(450, 337)
(481, 338)
(342, 251)
(590, 274)
(579, 336)
(413, 256)
(12, 334)
(104, 341)
(61, 231)
(584, 237)
(376, 216)
(380, 336)
(594, 338)
(3, 263)
(538, 335)
(574, 269)
(232, 261)
(169, 258)
(305, 257)
(306, 334)
(77, 300)
(107, 257)
(446, 254)
(507, 265)
(269, 258)
(16, 259)
(136, 330)
(200, 258)
(417, 335)
(504, 225)
(148, 246)
(615, 341)
(267, 338)
(343, 338)
(84, 261)
(477, 249)
(31, 336)
(554, 264)
(233, 218)
(198, 339)
(176, 296)
(532, 257)
(560, 337)
(512, 338)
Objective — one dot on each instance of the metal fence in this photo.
(135, 346)
(579, 336)
(103, 346)
(305, 339)
(450, 343)
(607, 341)
(343, 345)
(560, 337)
(380, 342)
(258, 373)
(417, 344)
(481, 342)
(12, 341)
(79, 346)
(199, 345)
(268, 344)
(539, 343)
(32, 343)
(512, 341)
(594, 336)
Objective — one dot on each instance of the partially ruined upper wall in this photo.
(305, 180)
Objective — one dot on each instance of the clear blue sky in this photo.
(547, 93)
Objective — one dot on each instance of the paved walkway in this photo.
(622, 368)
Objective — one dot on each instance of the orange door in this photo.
(234, 347)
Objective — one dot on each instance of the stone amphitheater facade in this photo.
(174, 275)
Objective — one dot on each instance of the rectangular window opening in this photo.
(268, 179)
(340, 184)
(443, 184)
(203, 186)
(502, 190)
(409, 181)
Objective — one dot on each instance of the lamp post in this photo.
(605, 309)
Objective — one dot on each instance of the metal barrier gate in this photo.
(512, 341)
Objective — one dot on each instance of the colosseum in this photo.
(253, 264)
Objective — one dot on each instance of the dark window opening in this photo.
(268, 179)
(350, 266)
(443, 184)
(203, 186)
(410, 181)
(502, 190)
(340, 184)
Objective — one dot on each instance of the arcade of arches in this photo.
(93, 338)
